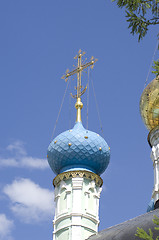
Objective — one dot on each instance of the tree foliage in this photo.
(156, 67)
(140, 14)
(148, 236)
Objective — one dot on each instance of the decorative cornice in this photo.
(81, 174)
(81, 215)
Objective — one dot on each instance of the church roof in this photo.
(127, 230)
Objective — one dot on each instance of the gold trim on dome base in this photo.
(82, 174)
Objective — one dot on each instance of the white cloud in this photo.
(20, 158)
(18, 146)
(6, 227)
(29, 201)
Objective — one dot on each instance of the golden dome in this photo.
(149, 104)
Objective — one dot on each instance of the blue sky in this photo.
(38, 42)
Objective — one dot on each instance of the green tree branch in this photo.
(148, 236)
(141, 14)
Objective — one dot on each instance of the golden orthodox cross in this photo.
(78, 71)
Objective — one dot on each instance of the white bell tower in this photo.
(78, 157)
(149, 108)
(154, 143)
(77, 195)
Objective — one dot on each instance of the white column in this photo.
(155, 159)
(77, 186)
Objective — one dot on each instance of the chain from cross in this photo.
(78, 71)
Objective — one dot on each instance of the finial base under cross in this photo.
(78, 106)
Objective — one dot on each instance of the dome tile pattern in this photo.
(88, 151)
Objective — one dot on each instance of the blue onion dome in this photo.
(78, 149)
